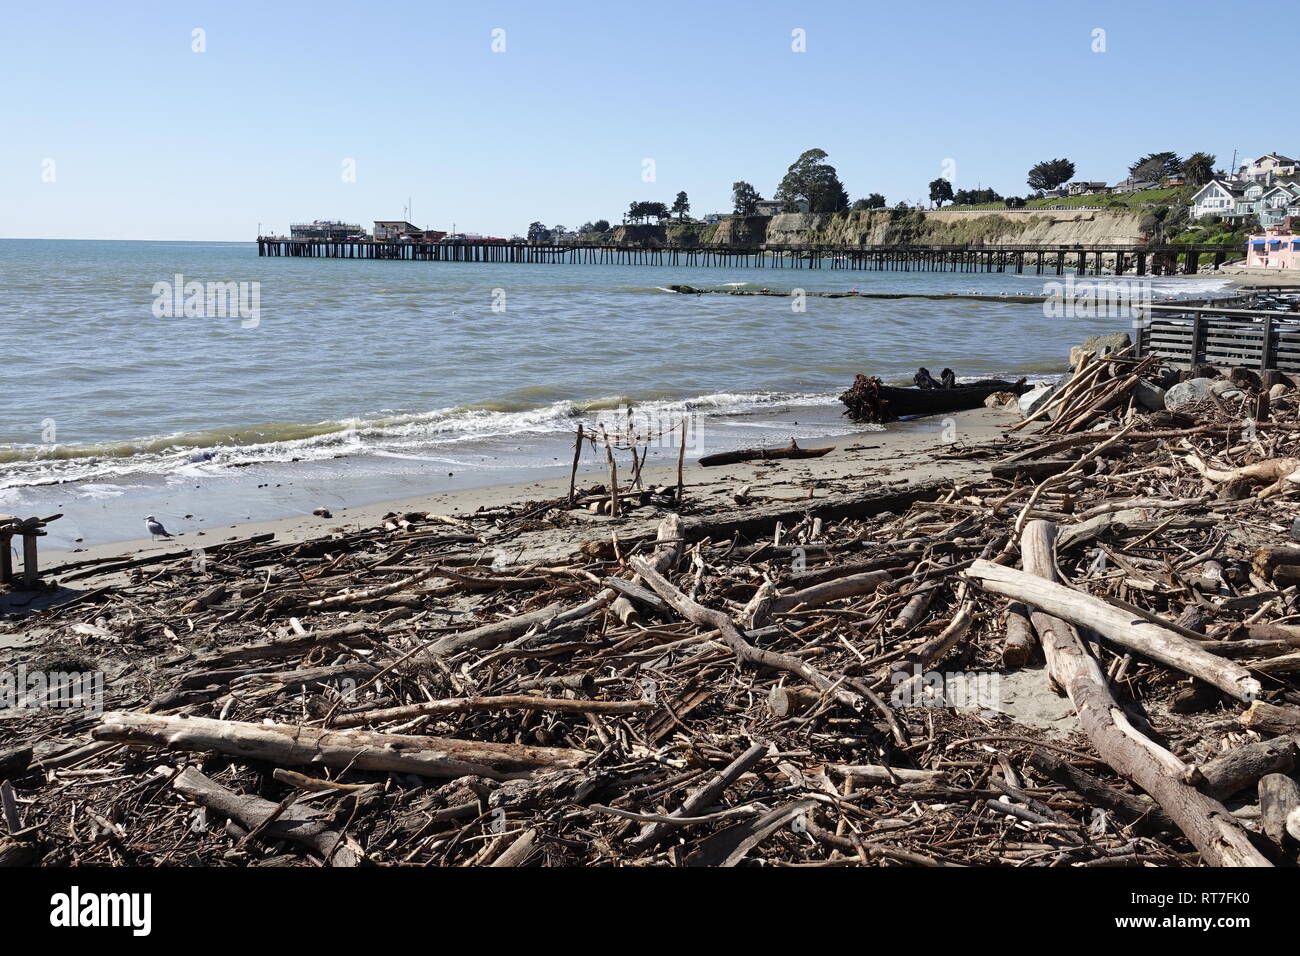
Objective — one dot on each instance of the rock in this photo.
(998, 399)
(1226, 389)
(1035, 397)
(1150, 396)
(1278, 390)
(1188, 393)
(1099, 345)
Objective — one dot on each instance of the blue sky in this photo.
(150, 140)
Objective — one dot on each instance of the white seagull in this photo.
(155, 527)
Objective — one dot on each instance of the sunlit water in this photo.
(366, 380)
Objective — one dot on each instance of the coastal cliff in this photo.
(884, 227)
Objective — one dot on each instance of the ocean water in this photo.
(365, 380)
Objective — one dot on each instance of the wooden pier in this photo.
(1080, 260)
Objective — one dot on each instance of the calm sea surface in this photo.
(362, 381)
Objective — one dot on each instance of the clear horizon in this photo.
(132, 125)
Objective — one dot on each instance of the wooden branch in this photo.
(465, 705)
(310, 746)
(1242, 767)
(1116, 625)
(297, 823)
(666, 553)
(1271, 719)
(1206, 822)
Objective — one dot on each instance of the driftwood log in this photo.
(1205, 821)
(871, 401)
(312, 746)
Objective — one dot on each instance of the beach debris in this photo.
(871, 401)
(322, 512)
(741, 678)
(791, 450)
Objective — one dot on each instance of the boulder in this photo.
(998, 399)
(1226, 389)
(1034, 398)
(1149, 395)
(1099, 345)
(1188, 393)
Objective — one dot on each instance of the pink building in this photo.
(1273, 250)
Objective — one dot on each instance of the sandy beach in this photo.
(906, 452)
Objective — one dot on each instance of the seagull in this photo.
(155, 527)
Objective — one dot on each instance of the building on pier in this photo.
(387, 230)
(326, 229)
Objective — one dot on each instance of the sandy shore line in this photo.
(905, 453)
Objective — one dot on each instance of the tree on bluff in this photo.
(812, 181)
(1050, 173)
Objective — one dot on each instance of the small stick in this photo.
(573, 472)
(681, 456)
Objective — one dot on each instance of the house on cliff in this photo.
(1218, 197)
(1269, 166)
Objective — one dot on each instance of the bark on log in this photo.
(1206, 823)
(851, 585)
(300, 824)
(1242, 767)
(465, 705)
(1271, 718)
(310, 746)
(763, 454)
(1279, 797)
(1116, 625)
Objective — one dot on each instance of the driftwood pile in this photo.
(767, 683)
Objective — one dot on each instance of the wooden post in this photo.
(573, 473)
(6, 559)
(30, 577)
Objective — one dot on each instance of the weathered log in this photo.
(312, 746)
(1018, 647)
(1117, 626)
(851, 585)
(1139, 809)
(300, 824)
(1271, 718)
(786, 701)
(757, 522)
(791, 450)
(465, 705)
(1279, 797)
(1206, 822)
(871, 401)
(1242, 767)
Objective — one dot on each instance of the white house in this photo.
(1084, 188)
(1218, 197)
(1269, 165)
